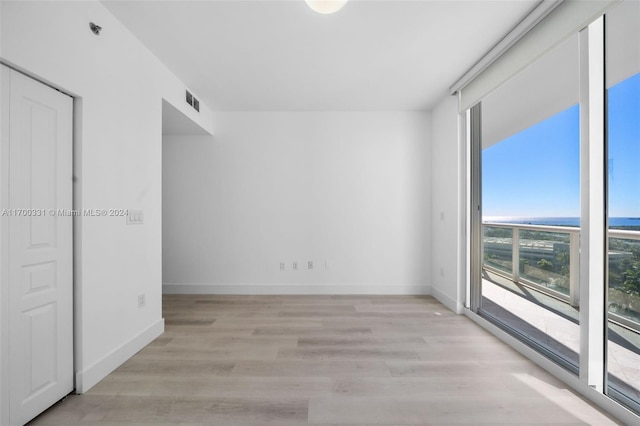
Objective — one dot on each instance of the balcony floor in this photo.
(554, 324)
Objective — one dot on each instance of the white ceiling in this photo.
(280, 55)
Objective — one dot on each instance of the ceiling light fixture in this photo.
(326, 6)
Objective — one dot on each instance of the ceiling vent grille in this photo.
(191, 100)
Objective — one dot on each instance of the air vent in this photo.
(191, 100)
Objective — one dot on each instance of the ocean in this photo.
(614, 222)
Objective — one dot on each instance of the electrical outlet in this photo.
(310, 264)
(282, 266)
(142, 300)
(295, 266)
(135, 217)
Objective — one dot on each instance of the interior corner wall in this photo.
(119, 86)
(348, 191)
(446, 234)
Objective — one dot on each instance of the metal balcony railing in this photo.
(624, 235)
(544, 250)
(551, 248)
(629, 321)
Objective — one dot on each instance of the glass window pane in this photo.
(531, 204)
(623, 134)
(497, 243)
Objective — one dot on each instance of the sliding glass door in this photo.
(623, 135)
(530, 162)
(555, 204)
(555, 198)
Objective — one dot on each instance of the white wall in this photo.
(347, 188)
(447, 215)
(119, 86)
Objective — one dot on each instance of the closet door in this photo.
(38, 166)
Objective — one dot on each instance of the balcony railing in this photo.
(624, 235)
(543, 257)
(547, 259)
(624, 308)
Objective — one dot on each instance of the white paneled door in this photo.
(40, 246)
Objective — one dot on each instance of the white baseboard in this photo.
(447, 301)
(91, 375)
(319, 289)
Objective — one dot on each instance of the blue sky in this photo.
(624, 148)
(536, 173)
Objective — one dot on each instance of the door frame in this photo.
(76, 304)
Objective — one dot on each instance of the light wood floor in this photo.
(323, 360)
